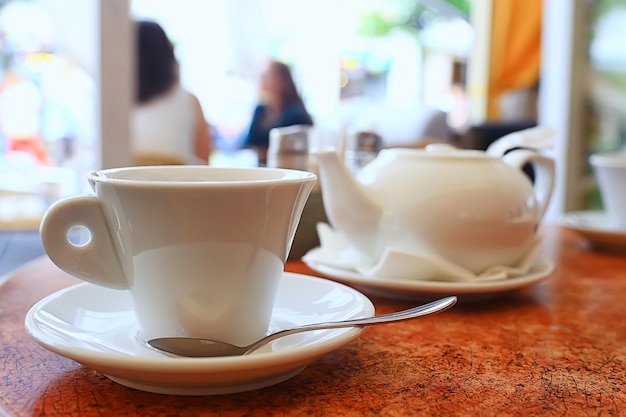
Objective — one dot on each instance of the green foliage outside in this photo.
(411, 15)
(616, 78)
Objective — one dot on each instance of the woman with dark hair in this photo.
(168, 125)
(280, 106)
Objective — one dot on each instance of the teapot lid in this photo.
(441, 150)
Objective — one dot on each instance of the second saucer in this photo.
(595, 228)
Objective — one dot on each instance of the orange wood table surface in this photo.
(555, 349)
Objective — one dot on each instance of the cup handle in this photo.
(544, 174)
(96, 261)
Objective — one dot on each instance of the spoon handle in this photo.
(423, 310)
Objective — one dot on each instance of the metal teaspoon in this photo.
(193, 347)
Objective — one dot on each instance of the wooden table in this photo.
(555, 349)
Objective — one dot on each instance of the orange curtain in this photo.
(515, 53)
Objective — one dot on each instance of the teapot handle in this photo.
(544, 174)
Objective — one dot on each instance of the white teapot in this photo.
(465, 206)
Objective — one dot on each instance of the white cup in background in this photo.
(610, 172)
(201, 249)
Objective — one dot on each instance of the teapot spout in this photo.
(348, 208)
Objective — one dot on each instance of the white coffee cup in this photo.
(201, 249)
(610, 172)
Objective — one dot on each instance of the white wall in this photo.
(478, 64)
(116, 81)
(562, 98)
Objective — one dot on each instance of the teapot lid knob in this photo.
(440, 148)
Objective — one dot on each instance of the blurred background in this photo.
(463, 71)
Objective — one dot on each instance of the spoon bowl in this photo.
(203, 348)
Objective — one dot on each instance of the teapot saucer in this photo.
(419, 290)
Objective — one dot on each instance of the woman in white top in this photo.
(168, 125)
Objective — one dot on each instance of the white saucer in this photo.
(594, 226)
(416, 289)
(96, 327)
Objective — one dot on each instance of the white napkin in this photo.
(400, 264)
